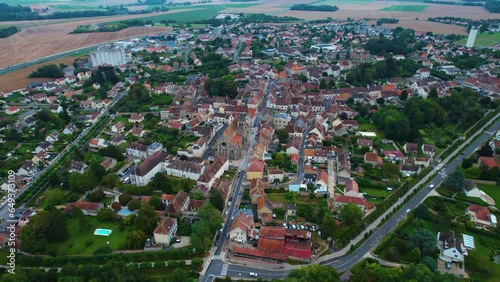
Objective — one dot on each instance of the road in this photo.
(215, 264)
(346, 261)
(4, 213)
(301, 164)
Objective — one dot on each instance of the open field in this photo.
(19, 79)
(406, 8)
(191, 13)
(484, 39)
(424, 26)
(46, 3)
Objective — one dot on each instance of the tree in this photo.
(381, 101)
(199, 239)
(106, 214)
(124, 199)
(455, 181)
(212, 216)
(134, 204)
(425, 240)
(393, 254)
(96, 195)
(414, 255)
(314, 272)
(390, 170)
(328, 226)
(97, 170)
(47, 226)
(350, 214)
(156, 203)
(485, 151)
(110, 181)
(136, 239)
(146, 219)
(433, 93)
(54, 197)
(422, 211)
(430, 263)
(215, 198)
(403, 96)
(282, 135)
(116, 206)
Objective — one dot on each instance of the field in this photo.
(19, 79)
(184, 14)
(483, 39)
(406, 8)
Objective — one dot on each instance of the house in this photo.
(374, 159)
(76, 166)
(12, 110)
(257, 190)
(481, 216)
(118, 127)
(471, 189)
(184, 169)
(165, 231)
(264, 210)
(451, 246)
(409, 170)
(429, 150)
(55, 108)
(44, 146)
(343, 166)
(138, 131)
(28, 169)
(242, 228)
(321, 183)
(88, 208)
(411, 148)
(341, 200)
(291, 210)
(53, 137)
(135, 118)
(179, 204)
(108, 163)
(275, 175)
(489, 162)
(146, 170)
(351, 189)
(365, 143)
(255, 169)
(97, 143)
(213, 172)
(70, 129)
(293, 146)
(40, 157)
(199, 147)
(137, 151)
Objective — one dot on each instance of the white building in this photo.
(108, 55)
(144, 172)
(165, 230)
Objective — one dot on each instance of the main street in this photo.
(215, 263)
(342, 261)
(4, 211)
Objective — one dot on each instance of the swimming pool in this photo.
(103, 232)
(124, 211)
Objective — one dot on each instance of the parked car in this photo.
(253, 274)
(448, 265)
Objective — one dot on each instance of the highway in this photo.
(345, 262)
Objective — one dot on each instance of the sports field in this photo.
(483, 39)
(406, 8)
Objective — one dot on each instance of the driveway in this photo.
(455, 269)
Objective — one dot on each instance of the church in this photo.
(231, 143)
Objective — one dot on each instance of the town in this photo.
(246, 150)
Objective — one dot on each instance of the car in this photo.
(253, 274)
(463, 153)
(431, 186)
(284, 224)
(408, 210)
(448, 265)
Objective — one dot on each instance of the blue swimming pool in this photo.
(124, 211)
(103, 232)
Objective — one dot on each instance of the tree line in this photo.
(386, 20)
(20, 13)
(493, 6)
(8, 31)
(453, 3)
(51, 71)
(319, 8)
(109, 27)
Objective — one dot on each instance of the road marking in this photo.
(223, 272)
(216, 257)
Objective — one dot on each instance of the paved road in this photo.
(301, 164)
(345, 262)
(215, 265)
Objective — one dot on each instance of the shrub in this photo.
(103, 250)
(124, 199)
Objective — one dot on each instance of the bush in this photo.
(124, 199)
(103, 250)
(96, 196)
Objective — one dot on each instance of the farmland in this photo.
(19, 79)
(483, 39)
(406, 8)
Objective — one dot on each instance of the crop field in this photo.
(406, 8)
(483, 39)
(193, 13)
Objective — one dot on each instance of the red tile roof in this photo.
(489, 162)
(272, 232)
(271, 244)
(237, 250)
(165, 225)
(346, 199)
(351, 185)
(482, 213)
(255, 165)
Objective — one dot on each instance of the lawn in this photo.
(379, 193)
(493, 191)
(478, 262)
(405, 8)
(483, 39)
(85, 242)
(276, 197)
